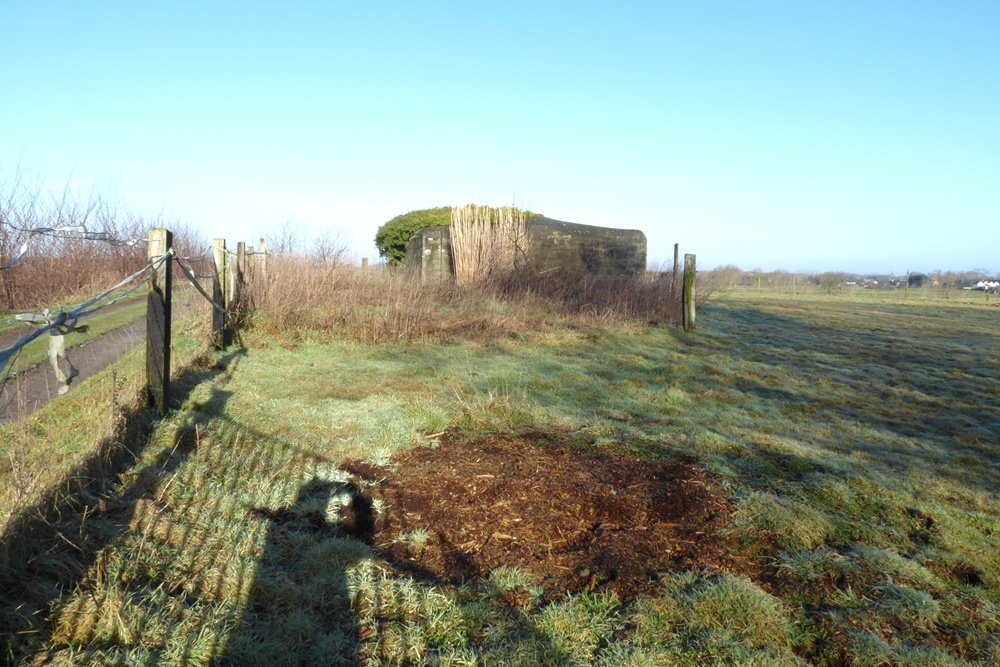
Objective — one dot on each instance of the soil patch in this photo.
(453, 513)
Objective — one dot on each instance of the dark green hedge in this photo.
(393, 237)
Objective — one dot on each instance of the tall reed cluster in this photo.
(486, 242)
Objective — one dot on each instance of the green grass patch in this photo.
(855, 436)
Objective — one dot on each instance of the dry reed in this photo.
(485, 242)
(306, 297)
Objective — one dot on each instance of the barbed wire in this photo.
(78, 232)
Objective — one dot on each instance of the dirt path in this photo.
(29, 390)
(23, 394)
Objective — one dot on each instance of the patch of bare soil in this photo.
(578, 522)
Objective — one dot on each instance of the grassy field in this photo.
(855, 436)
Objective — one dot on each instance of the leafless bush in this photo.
(62, 265)
(307, 296)
(725, 278)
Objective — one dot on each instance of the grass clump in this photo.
(793, 524)
(870, 650)
(736, 605)
(908, 605)
(723, 620)
(816, 566)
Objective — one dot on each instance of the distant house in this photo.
(988, 286)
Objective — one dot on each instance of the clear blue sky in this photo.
(859, 136)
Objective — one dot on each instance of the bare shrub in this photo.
(307, 296)
(62, 264)
(371, 306)
(724, 277)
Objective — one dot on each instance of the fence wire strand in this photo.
(66, 232)
(193, 279)
(65, 321)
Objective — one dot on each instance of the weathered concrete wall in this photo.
(551, 245)
(429, 255)
(602, 251)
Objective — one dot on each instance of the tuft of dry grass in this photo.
(308, 296)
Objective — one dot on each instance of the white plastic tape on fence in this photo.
(70, 232)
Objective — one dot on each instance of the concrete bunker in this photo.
(550, 245)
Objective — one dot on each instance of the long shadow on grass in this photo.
(50, 547)
(928, 390)
(299, 610)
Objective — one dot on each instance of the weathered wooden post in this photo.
(263, 262)
(241, 262)
(688, 294)
(219, 296)
(158, 321)
(675, 278)
(239, 292)
(364, 264)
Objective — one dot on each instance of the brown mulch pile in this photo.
(576, 521)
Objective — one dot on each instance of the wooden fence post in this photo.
(241, 262)
(675, 278)
(688, 295)
(219, 296)
(158, 321)
(262, 251)
(239, 292)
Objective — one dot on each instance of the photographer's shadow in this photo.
(299, 609)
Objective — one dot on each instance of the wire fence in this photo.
(76, 232)
(25, 392)
(67, 321)
(59, 322)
